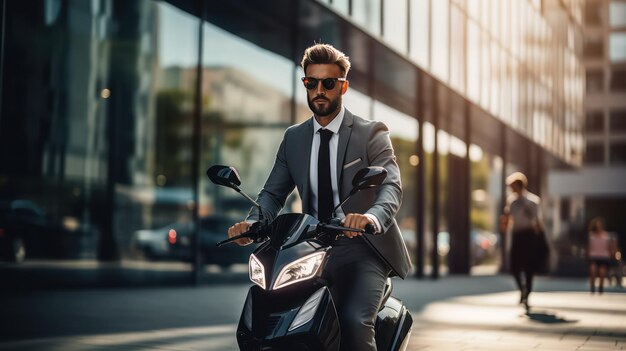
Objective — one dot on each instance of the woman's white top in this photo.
(599, 245)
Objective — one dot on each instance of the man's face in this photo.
(323, 102)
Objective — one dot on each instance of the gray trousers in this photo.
(357, 277)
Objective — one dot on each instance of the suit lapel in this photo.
(344, 136)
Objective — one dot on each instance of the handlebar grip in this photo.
(253, 233)
(369, 229)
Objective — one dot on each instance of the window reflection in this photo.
(595, 81)
(594, 154)
(395, 24)
(367, 14)
(618, 79)
(160, 197)
(618, 153)
(617, 14)
(457, 49)
(403, 134)
(617, 46)
(439, 38)
(359, 104)
(473, 61)
(486, 192)
(617, 122)
(246, 94)
(486, 70)
(420, 32)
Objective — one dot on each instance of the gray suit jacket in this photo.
(362, 143)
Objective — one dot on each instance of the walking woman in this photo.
(522, 215)
(599, 252)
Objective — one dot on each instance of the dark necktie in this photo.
(324, 185)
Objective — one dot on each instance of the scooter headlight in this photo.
(257, 272)
(299, 270)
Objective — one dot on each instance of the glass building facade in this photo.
(597, 189)
(111, 111)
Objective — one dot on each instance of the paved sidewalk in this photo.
(555, 321)
(453, 313)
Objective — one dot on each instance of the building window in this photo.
(595, 81)
(617, 14)
(395, 24)
(618, 153)
(367, 14)
(594, 47)
(594, 122)
(420, 32)
(594, 154)
(440, 38)
(592, 13)
(618, 79)
(618, 121)
(617, 46)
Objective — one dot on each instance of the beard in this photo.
(321, 111)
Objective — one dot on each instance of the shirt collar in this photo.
(334, 125)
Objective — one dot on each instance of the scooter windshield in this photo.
(289, 228)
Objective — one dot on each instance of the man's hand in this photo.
(357, 221)
(237, 229)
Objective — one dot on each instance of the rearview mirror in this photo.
(369, 177)
(225, 176)
(365, 178)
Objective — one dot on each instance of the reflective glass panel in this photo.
(617, 46)
(618, 153)
(367, 14)
(403, 133)
(617, 14)
(440, 38)
(486, 192)
(395, 24)
(420, 34)
(473, 61)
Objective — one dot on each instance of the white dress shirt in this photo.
(333, 126)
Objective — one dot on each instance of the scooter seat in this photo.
(386, 293)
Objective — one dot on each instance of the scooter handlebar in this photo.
(369, 229)
(253, 233)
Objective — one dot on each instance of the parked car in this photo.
(26, 231)
(159, 244)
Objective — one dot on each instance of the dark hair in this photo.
(326, 54)
(595, 224)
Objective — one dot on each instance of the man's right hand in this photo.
(237, 229)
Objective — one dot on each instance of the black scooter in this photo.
(290, 307)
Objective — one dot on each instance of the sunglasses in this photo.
(328, 83)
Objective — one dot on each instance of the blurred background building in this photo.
(598, 189)
(111, 111)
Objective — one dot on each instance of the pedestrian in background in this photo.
(601, 249)
(528, 249)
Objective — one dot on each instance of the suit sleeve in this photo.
(389, 194)
(277, 187)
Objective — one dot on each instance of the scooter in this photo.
(290, 306)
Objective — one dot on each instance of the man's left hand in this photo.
(357, 221)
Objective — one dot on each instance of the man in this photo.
(320, 157)
(522, 214)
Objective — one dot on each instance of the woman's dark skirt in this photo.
(528, 251)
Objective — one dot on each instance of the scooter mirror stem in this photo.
(234, 186)
(354, 190)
